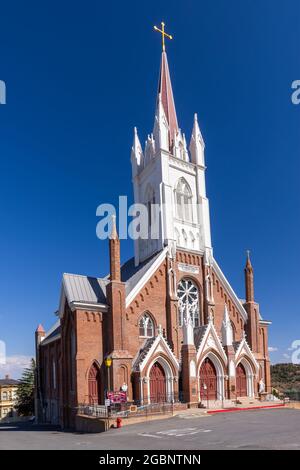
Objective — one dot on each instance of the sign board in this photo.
(107, 402)
(187, 268)
(117, 397)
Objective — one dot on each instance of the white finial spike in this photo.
(197, 145)
(161, 127)
(227, 333)
(210, 317)
(136, 154)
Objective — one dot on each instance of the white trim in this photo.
(88, 306)
(53, 327)
(151, 351)
(144, 279)
(230, 291)
(249, 376)
(201, 349)
(239, 355)
(50, 340)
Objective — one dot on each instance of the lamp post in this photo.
(108, 362)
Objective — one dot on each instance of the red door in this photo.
(94, 385)
(241, 381)
(157, 384)
(208, 381)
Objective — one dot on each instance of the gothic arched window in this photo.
(150, 201)
(188, 301)
(183, 197)
(146, 326)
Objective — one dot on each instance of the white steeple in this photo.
(197, 145)
(136, 154)
(227, 334)
(174, 178)
(161, 127)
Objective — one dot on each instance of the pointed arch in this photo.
(146, 325)
(220, 374)
(177, 236)
(149, 199)
(249, 376)
(165, 391)
(183, 200)
(94, 384)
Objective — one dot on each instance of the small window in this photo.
(183, 196)
(146, 326)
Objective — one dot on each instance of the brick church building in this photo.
(168, 318)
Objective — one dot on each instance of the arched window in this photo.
(177, 235)
(150, 201)
(183, 197)
(146, 326)
(188, 301)
(233, 331)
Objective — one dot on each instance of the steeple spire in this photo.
(249, 279)
(136, 154)
(197, 144)
(114, 252)
(165, 94)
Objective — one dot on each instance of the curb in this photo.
(231, 410)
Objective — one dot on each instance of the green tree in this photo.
(25, 393)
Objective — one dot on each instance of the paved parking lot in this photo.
(265, 429)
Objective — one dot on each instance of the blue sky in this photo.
(79, 76)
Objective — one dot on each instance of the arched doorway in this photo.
(94, 385)
(241, 381)
(208, 380)
(157, 378)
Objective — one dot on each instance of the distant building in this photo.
(8, 392)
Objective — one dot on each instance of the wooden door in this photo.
(157, 384)
(94, 385)
(208, 381)
(241, 381)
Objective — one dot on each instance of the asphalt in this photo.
(261, 429)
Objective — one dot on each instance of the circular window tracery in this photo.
(188, 301)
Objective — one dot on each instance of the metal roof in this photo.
(87, 289)
(84, 288)
(9, 382)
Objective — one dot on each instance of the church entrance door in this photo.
(241, 381)
(94, 385)
(208, 380)
(157, 384)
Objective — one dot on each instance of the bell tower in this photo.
(170, 178)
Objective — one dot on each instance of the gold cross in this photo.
(163, 34)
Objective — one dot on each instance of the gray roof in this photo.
(143, 352)
(91, 290)
(55, 333)
(198, 335)
(236, 345)
(9, 382)
(85, 288)
(132, 274)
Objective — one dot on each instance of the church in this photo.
(167, 321)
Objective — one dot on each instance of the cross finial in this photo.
(163, 34)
